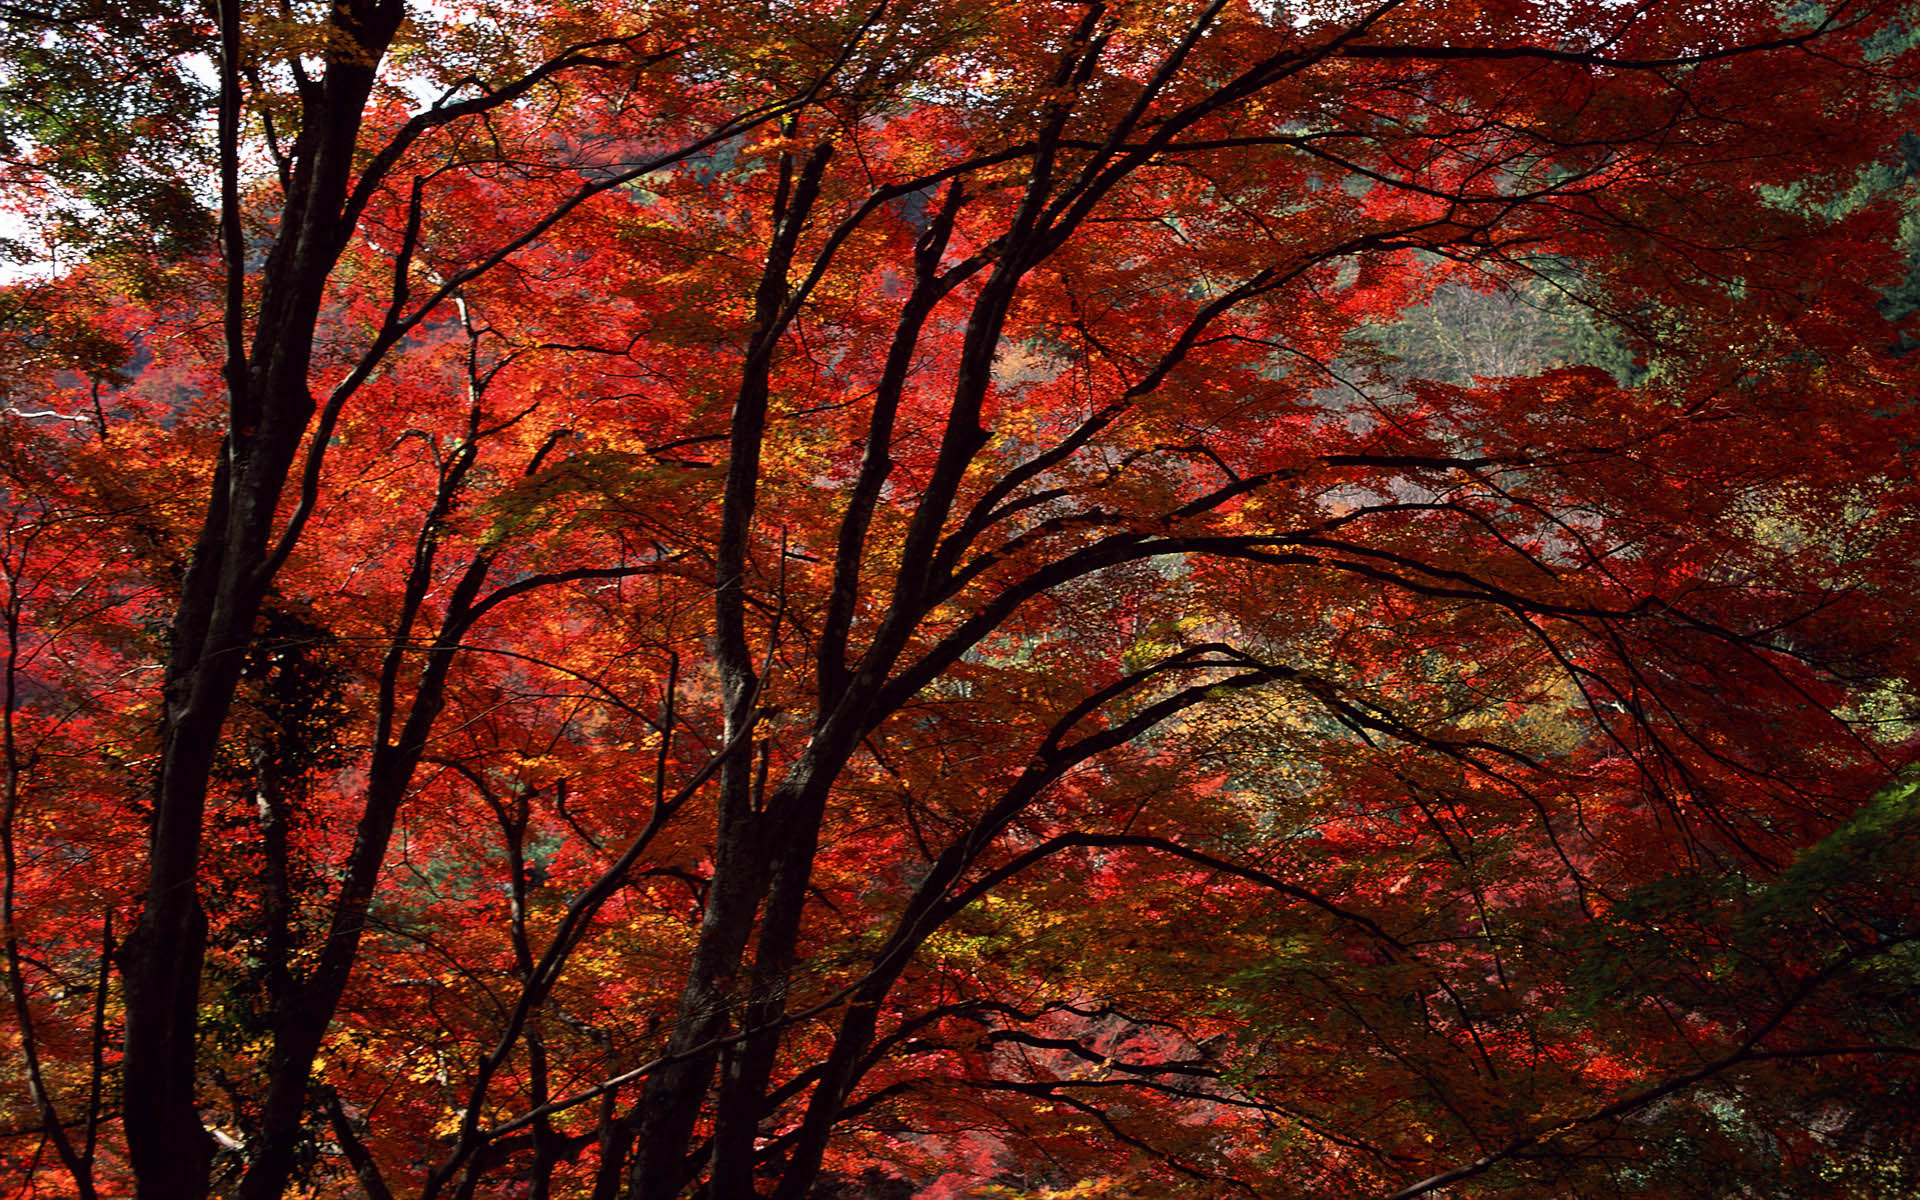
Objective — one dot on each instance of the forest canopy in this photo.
(798, 599)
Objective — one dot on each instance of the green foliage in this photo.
(1528, 325)
(1902, 302)
(101, 103)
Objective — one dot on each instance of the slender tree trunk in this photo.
(674, 1096)
(269, 408)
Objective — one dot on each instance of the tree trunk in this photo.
(225, 583)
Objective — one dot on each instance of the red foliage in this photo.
(818, 601)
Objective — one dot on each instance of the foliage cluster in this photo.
(1020, 599)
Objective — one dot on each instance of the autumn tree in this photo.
(738, 599)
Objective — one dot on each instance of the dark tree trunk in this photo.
(269, 408)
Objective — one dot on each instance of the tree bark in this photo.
(269, 408)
